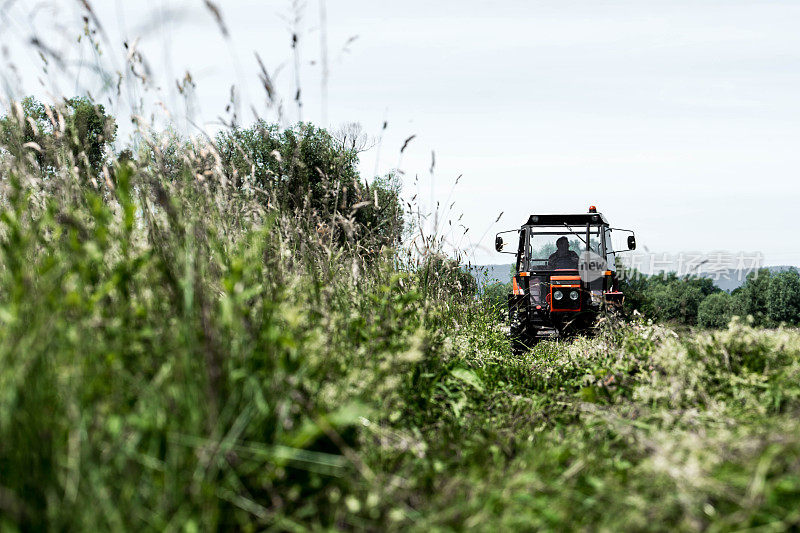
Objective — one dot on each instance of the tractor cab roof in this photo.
(578, 219)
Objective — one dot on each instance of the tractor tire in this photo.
(522, 339)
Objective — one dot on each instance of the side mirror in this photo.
(498, 243)
(631, 242)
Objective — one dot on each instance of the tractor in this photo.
(564, 276)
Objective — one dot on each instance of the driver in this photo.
(563, 256)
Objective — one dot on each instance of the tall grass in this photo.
(158, 351)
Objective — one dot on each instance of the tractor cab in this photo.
(565, 274)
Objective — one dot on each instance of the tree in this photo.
(89, 133)
(783, 298)
(752, 297)
(666, 297)
(25, 131)
(307, 171)
(380, 221)
(33, 130)
(634, 285)
(304, 165)
(715, 310)
(677, 301)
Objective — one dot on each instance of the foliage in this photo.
(77, 130)
(444, 278)
(715, 310)
(783, 298)
(751, 297)
(768, 299)
(305, 170)
(496, 296)
(89, 133)
(667, 297)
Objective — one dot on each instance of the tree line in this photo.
(771, 299)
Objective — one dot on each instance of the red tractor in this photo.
(565, 275)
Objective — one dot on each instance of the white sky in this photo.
(678, 119)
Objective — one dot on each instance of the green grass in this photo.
(636, 429)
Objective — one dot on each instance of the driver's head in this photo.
(562, 244)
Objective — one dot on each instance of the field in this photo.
(177, 354)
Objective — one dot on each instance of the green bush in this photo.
(305, 170)
(496, 295)
(769, 298)
(715, 310)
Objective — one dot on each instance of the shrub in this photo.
(305, 170)
(443, 277)
(715, 310)
(496, 295)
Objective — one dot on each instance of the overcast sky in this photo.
(678, 119)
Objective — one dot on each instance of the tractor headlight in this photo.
(558, 295)
(573, 295)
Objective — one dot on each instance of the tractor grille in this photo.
(564, 297)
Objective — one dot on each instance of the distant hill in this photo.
(726, 280)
